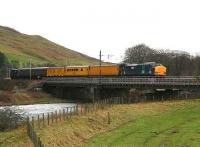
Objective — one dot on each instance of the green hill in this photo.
(21, 47)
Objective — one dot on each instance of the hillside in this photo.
(21, 47)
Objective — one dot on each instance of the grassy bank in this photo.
(24, 98)
(125, 119)
(170, 123)
(15, 138)
(177, 127)
(17, 92)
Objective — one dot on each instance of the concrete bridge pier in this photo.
(95, 93)
(59, 90)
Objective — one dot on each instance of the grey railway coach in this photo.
(27, 73)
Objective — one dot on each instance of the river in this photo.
(38, 109)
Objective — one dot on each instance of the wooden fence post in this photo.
(67, 114)
(70, 112)
(39, 121)
(88, 108)
(85, 109)
(56, 115)
(33, 121)
(48, 119)
(28, 128)
(60, 114)
(43, 119)
(63, 114)
(74, 111)
(108, 118)
(80, 109)
(52, 117)
(77, 110)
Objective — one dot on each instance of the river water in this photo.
(38, 109)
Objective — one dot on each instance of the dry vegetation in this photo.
(21, 92)
(77, 131)
(15, 138)
(81, 130)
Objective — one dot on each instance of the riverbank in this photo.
(8, 98)
(146, 120)
(82, 129)
(22, 92)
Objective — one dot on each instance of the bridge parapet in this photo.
(126, 81)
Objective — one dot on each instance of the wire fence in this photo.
(33, 136)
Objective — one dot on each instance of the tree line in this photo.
(178, 63)
(3, 65)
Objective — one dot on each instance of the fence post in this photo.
(74, 111)
(56, 116)
(48, 118)
(85, 109)
(95, 107)
(108, 118)
(33, 121)
(52, 117)
(68, 112)
(60, 114)
(63, 114)
(81, 110)
(39, 121)
(28, 128)
(77, 110)
(43, 119)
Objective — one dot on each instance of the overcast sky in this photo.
(112, 26)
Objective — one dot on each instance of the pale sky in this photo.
(112, 26)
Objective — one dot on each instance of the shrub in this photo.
(9, 119)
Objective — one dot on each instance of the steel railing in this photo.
(168, 80)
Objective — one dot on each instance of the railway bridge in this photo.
(95, 85)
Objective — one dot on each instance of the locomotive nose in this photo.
(160, 70)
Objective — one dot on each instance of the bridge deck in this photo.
(171, 81)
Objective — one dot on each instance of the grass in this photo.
(93, 129)
(22, 47)
(177, 127)
(15, 138)
(170, 123)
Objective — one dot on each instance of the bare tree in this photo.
(139, 54)
(178, 63)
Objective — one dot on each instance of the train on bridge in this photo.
(145, 69)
